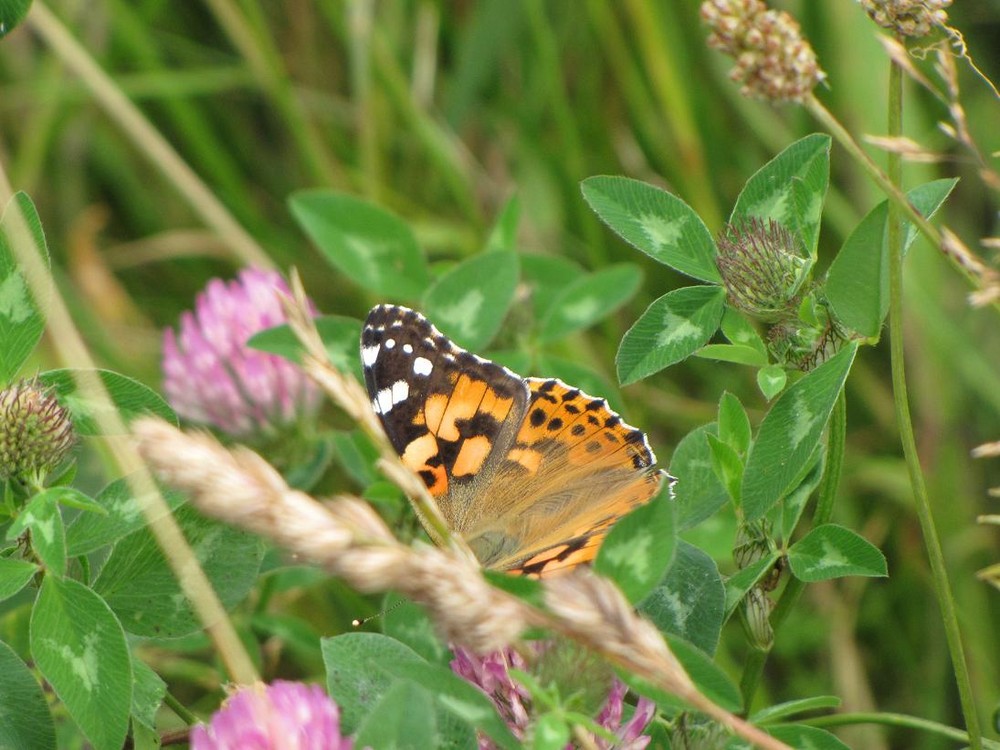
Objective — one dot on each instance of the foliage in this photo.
(483, 195)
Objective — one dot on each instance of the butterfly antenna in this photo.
(377, 615)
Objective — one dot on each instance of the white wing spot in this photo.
(422, 366)
(384, 398)
(375, 407)
(390, 343)
(408, 348)
(369, 354)
(400, 390)
(389, 397)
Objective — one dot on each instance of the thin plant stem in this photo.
(567, 124)
(889, 719)
(360, 22)
(892, 191)
(180, 709)
(264, 61)
(753, 670)
(836, 441)
(921, 500)
(676, 108)
(146, 138)
(72, 352)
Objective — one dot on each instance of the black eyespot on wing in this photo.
(635, 437)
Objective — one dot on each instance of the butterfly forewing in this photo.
(445, 411)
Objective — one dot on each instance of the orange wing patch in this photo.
(454, 444)
(592, 433)
(463, 403)
(471, 455)
(419, 457)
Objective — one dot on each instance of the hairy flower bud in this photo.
(807, 344)
(753, 543)
(757, 608)
(36, 432)
(773, 61)
(763, 268)
(911, 18)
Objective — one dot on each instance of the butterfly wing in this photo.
(573, 470)
(448, 413)
(531, 472)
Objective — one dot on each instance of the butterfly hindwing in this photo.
(573, 471)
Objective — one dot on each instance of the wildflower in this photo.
(281, 716)
(912, 18)
(629, 735)
(491, 674)
(212, 377)
(773, 61)
(36, 432)
(763, 268)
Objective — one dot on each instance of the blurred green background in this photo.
(441, 111)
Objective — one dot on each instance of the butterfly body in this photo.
(531, 472)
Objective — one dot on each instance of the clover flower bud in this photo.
(910, 18)
(762, 268)
(757, 608)
(773, 61)
(36, 432)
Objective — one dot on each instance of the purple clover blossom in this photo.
(491, 674)
(212, 377)
(281, 716)
(630, 735)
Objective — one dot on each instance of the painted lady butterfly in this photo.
(530, 471)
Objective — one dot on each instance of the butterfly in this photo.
(531, 472)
